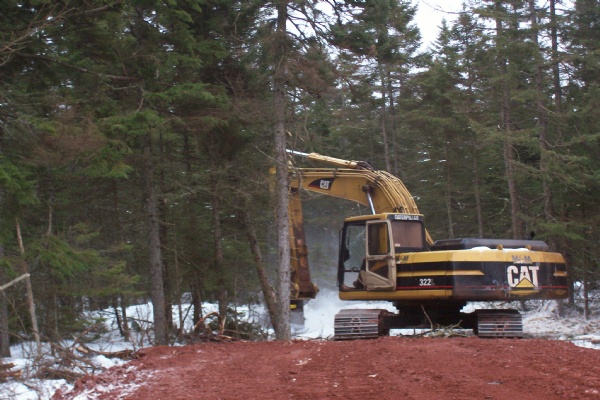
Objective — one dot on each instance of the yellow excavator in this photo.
(388, 255)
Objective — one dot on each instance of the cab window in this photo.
(407, 234)
(378, 239)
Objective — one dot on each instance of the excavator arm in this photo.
(301, 285)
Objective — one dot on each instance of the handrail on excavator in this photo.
(338, 162)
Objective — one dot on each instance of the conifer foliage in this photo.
(136, 139)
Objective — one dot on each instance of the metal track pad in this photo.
(351, 324)
(499, 323)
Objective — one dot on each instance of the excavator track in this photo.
(499, 324)
(352, 324)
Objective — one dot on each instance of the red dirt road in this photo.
(385, 368)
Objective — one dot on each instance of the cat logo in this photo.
(523, 276)
(324, 184)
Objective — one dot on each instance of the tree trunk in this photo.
(177, 278)
(195, 284)
(510, 174)
(472, 105)
(154, 247)
(196, 301)
(394, 128)
(542, 116)
(126, 333)
(559, 133)
(218, 242)
(384, 133)
(30, 302)
(586, 292)
(477, 193)
(115, 307)
(268, 290)
(167, 273)
(163, 208)
(448, 189)
(555, 65)
(4, 332)
(281, 324)
(506, 119)
(120, 300)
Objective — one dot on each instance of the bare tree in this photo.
(282, 317)
(154, 248)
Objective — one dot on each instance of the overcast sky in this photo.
(430, 14)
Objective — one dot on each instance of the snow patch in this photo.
(540, 318)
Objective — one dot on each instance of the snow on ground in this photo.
(124, 382)
(541, 319)
(33, 389)
(320, 312)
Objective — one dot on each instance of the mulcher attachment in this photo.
(499, 324)
(353, 324)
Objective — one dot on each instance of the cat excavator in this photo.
(388, 255)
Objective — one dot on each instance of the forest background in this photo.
(136, 138)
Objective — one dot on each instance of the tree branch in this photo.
(75, 67)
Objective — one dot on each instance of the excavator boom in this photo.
(356, 181)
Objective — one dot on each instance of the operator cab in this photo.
(369, 245)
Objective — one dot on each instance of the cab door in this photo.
(380, 271)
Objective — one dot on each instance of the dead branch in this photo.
(4, 367)
(79, 346)
(447, 331)
(6, 373)
(437, 330)
(126, 354)
(68, 356)
(202, 330)
(47, 372)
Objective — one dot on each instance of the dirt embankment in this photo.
(385, 368)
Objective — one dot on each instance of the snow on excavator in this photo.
(390, 256)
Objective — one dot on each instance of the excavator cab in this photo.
(368, 249)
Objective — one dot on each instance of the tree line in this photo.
(136, 139)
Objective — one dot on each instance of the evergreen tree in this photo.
(578, 146)
(377, 44)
